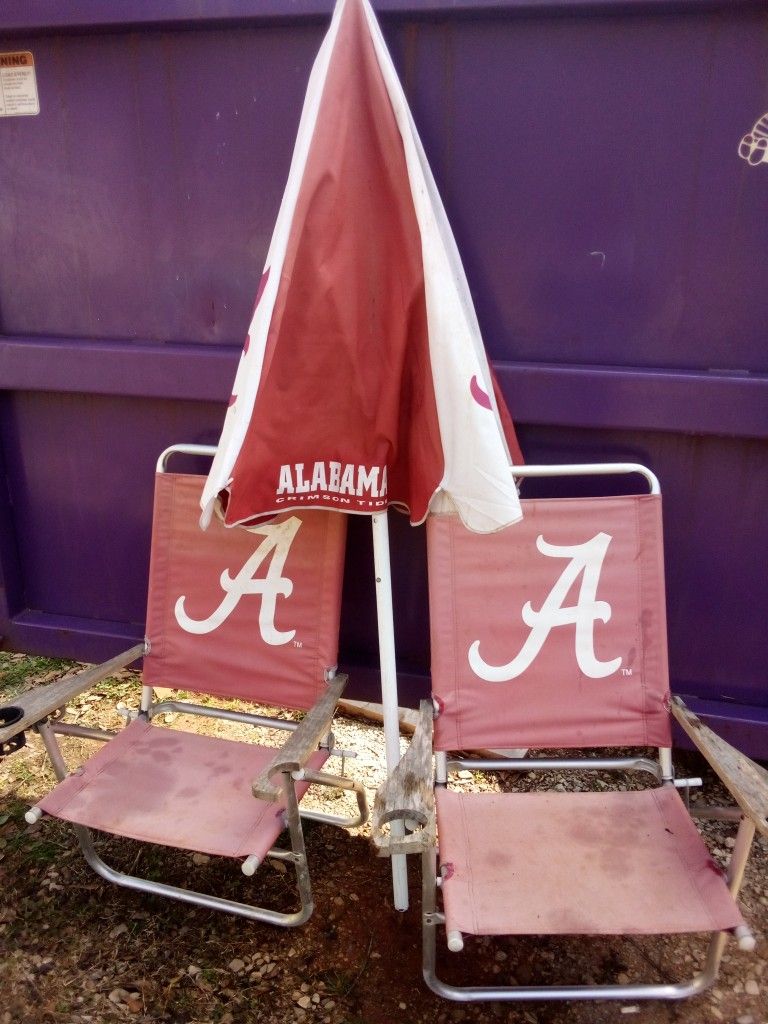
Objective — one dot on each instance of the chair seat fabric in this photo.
(577, 863)
(178, 789)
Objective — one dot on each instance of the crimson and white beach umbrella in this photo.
(363, 381)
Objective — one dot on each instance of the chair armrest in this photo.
(38, 703)
(302, 742)
(408, 795)
(746, 781)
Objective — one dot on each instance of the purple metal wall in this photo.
(615, 244)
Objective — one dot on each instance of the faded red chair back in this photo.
(552, 632)
(242, 613)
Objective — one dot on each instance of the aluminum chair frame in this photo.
(44, 715)
(409, 796)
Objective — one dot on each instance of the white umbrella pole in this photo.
(389, 700)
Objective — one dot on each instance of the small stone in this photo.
(751, 987)
(745, 1018)
(304, 986)
(200, 859)
(304, 1002)
(236, 965)
(634, 1008)
(375, 955)
(623, 978)
(402, 1006)
(464, 774)
(338, 901)
(501, 956)
(117, 995)
(315, 998)
(134, 1002)
(193, 969)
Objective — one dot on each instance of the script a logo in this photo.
(587, 560)
(278, 538)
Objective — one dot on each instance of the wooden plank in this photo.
(409, 719)
(746, 780)
(408, 794)
(42, 701)
(302, 742)
(372, 712)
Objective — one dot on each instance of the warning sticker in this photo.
(18, 85)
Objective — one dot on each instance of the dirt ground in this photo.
(76, 949)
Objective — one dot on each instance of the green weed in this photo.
(33, 849)
(15, 672)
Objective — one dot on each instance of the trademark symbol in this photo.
(626, 671)
(298, 643)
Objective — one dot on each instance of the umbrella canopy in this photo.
(363, 381)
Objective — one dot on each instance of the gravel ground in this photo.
(79, 950)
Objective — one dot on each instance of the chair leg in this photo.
(293, 820)
(199, 899)
(431, 918)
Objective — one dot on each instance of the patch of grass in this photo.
(117, 689)
(338, 982)
(14, 810)
(16, 671)
(21, 772)
(33, 849)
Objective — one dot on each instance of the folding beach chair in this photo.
(251, 615)
(551, 634)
